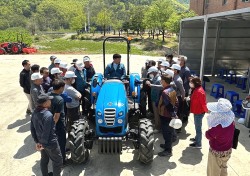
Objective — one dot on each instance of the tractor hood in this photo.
(112, 95)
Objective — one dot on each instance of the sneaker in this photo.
(50, 174)
(165, 153)
(192, 139)
(195, 146)
(28, 111)
(162, 146)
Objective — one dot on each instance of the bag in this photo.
(236, 138)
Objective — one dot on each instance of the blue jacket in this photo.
(42, 128)
(81, 80)
(110, 72)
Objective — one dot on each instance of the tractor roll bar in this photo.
(128, 50)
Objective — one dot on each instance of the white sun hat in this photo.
(79, 65)
(175, 123)
(221, 113)
(160, 60)
(63, 65)
(55, 70)
(169, 72)
(165, 64)
(70, 74)
(36, 76)
(176, 67)
(57, 61)
(86, 59)
(153, 69)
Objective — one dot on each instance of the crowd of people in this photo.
(56, 92)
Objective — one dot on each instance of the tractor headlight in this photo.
(100, 121)
(99, 113)
(120, 121)
(120, 113)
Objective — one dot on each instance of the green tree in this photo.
(104, 19)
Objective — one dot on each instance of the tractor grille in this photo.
(109, 116)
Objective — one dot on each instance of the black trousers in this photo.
(167, 133)
(73, 114)
(61, 135)
(56, 157)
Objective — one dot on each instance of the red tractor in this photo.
(16, 47)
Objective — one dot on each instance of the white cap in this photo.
(160, 60)
(55, 70)
(57, 61)
(165, 64)
(175, 59)
(176, 67)
(36, 76)
(169, 72)
(153, 69)
(86, 59)
(63, 65)
(70, 74)
(79, 65)
(175, 123)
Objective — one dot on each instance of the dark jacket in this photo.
(81, 80)
(110, 71)
(24, 80)
(42, 128)
(90, 72)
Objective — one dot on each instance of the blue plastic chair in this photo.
(222, 72)
(231, 78)
(238, 110)
(232, 96)
(217, 91)
(241, 83)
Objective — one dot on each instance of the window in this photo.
(224, 2)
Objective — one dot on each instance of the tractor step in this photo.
(110, 145)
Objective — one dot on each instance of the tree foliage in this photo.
(101, 15)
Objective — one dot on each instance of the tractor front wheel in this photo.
(79, 153)
(146, 139)
(16, 48)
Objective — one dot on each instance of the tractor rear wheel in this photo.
(146, 139)
(2, 51)
(16, 48)
(79, 153)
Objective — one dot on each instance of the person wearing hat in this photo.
(159, 61)
(36, 88)
(169, 58)
(220, 135)
(90, 71)
(57, 109)
(55, 73)
(46, 79)
(198, 106)
(164, 66)
(57, 63)
(73, 111)
(167, 107)
(179, 89)
(42, 129)
(52, 65)
(73, 66)
(63, 67)
(115, 69)
(81, 84)
(155, 87)
(24, 80)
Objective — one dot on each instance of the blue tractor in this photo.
(119, 115)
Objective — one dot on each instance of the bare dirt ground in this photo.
(17, 149)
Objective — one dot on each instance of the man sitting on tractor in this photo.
(115, 69)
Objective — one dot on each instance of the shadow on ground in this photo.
(193, 153)
(27, 149)
(23, 124)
